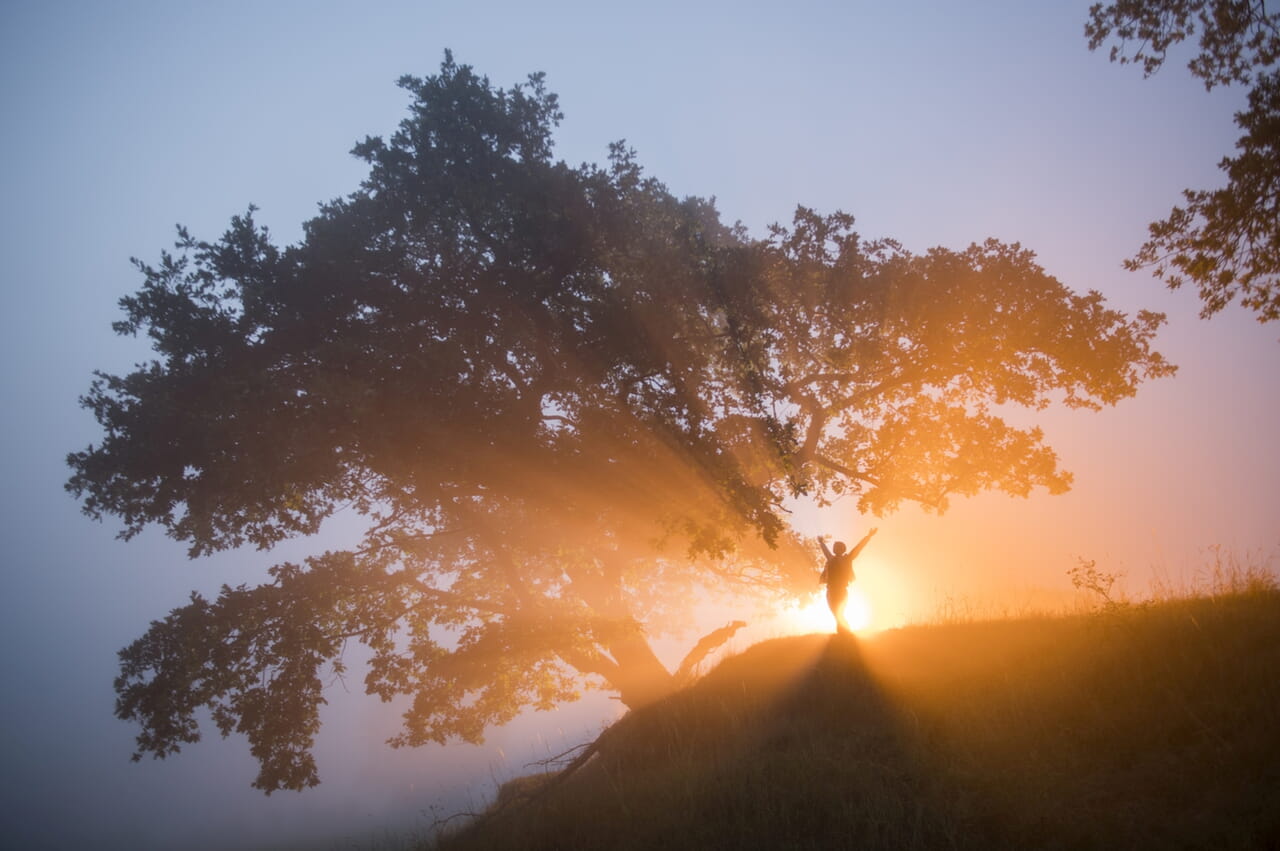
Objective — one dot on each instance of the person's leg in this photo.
(836, 598)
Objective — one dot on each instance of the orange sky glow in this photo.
(938, 125)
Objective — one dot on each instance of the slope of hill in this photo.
(1152, 726)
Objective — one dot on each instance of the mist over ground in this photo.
(934, 126)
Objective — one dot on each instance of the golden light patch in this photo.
(813, 615)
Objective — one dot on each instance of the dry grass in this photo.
(1140, 724)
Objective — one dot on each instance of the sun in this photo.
(814, 616)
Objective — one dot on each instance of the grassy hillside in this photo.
(1152, 726)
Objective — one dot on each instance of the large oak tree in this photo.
(567, 404)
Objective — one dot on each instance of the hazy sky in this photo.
(936, 123)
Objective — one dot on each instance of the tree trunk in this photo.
(641, 678)
(625, 659)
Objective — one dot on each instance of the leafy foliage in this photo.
(1226, 241)
(567, 404)
(1235, 37)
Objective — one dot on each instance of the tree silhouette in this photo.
(1224, 241)
(567, 405)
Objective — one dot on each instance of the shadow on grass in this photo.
(787, 745)
(1154, 728)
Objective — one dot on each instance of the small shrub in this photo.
(1086, 576)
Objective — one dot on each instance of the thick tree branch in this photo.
(706, 645)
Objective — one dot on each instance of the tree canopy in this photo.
(567, 404)
(1226, 242)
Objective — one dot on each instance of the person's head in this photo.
(838, 548)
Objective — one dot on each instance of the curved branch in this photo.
(585, 662)
(848, 472)
(706, 645)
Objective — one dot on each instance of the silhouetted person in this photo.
(838, 573)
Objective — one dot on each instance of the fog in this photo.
(932, 125)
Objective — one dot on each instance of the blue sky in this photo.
(935, 123)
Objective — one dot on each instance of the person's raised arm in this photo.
(823, 543)
(861, 543)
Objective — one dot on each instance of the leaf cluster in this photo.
(1226, 242)
(1234, 37)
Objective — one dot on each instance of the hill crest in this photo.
(1148, 727)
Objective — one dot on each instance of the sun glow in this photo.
(812, 615)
